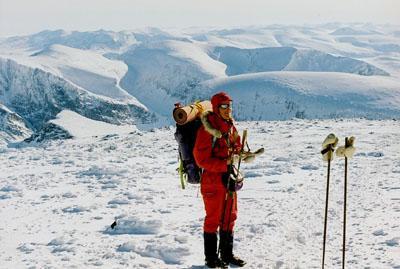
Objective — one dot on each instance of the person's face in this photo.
(225, 110)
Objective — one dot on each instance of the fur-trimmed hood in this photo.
(215, 125)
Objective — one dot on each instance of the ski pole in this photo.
(329, 145)
(344, 207)
(221, 226)
(326, 214)
(244, 137)
(244, 140)
(347, 152)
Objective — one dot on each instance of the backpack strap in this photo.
(214, 139)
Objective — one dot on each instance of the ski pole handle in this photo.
(244, 138)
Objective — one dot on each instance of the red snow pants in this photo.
(219, 212)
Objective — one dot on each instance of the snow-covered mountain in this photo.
(273, 72)
(12, 126)
(243, 61)
(36, 96)
(96, 40)
(285, 95)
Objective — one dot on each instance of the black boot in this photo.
(226, 249)
(210, 251)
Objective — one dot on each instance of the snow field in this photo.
(58, 200)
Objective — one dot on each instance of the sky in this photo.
(20, 17)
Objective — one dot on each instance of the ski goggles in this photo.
(225, 106)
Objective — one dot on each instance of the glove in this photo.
(229, 180)
(232, 185)
(331, 139)
(328, 147)
(225, 176)
(348, 151)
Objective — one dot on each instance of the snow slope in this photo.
(285, 95)
(243, 61)
(58, 200)
(199, 54)
(158, 76)
(79, 126)
(12, 127)
(87, 69)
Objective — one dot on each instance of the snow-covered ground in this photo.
(58, 200)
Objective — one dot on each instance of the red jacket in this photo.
(213, 158)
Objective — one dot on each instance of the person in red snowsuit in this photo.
(217, 141)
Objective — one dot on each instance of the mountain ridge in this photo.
(136, 77)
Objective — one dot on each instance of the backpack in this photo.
(185, 135)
